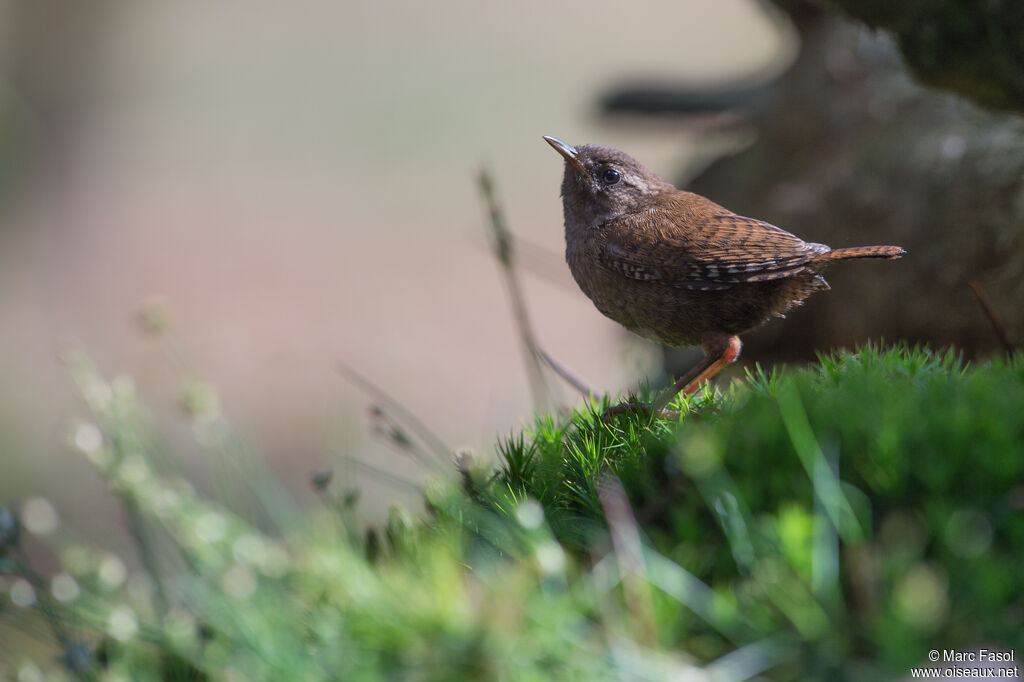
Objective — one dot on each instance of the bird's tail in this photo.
(861, 252)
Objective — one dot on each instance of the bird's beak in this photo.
(572, 157)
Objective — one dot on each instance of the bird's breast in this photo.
(627, 301)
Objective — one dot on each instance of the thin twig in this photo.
(568, 376)
(429, 438)
(504, 251)
(993, 318)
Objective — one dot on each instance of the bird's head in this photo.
(601, 183)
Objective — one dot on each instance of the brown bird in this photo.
(677, 268)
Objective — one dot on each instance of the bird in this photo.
(677, 268)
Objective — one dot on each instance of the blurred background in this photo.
(292, 187)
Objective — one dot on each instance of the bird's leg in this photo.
(687, 383)
(719, 351)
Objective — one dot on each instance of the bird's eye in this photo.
(611, 176)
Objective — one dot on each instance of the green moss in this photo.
(797, 474)
(829, 523)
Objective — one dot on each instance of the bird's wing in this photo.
(711, 252)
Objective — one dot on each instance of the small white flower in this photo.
(530, 514)
(22, 593)
(39, 516)
(210, 527)
(550, 557)
(122, 624)
(64, 588)
(87, 437)
(112, 571)
(249, 550)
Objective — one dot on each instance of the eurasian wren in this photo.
(677, 268)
